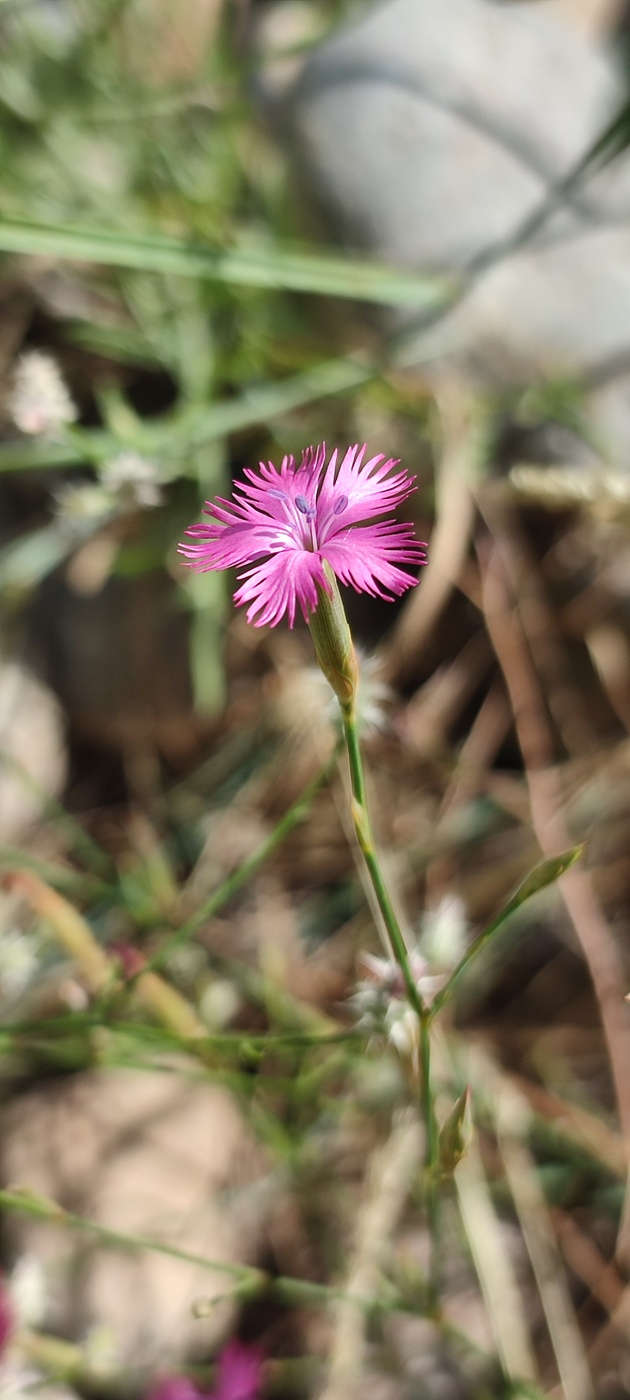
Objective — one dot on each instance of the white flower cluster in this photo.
(125, 482)
(379, 1002)
(133, 477)
(19, 962)
(39, 402)
(81, 503)
(25, 1294)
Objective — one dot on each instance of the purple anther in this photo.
(303, 505)
(277, 495)
(340, 504)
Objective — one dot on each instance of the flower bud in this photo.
(455, 1134)
(333, 643)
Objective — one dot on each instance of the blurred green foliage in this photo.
(158, 217)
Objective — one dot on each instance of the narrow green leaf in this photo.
(270, 267)
(540, 877)
(263, 403)
(61, 877)
(30, 558)
(184, 430)
(39, 454)
(26, 561)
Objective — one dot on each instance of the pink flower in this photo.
(239, 1373)
(294, 519)
(175, 1388)
(239, 1377)
(7, 1316)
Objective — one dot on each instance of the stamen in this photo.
(304, 506)
(277, 495)
(340, 504)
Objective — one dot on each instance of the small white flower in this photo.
(401, 1027)
(379, 1000)
(19, 961)
(39, 402)
(28, 1292)
(78, 502)
(444, 929)
(374, 695)
(132, 476)
(17, 1380)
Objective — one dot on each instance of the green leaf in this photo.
(40, 454)
(59, 876)
(265, 402)
(195, 427)
(540, 877)
(26, 561)
(271, 267)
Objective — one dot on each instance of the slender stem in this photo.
(294, 1292)
(431, 1158)
(365, 838)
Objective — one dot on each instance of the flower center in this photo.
(308, 510)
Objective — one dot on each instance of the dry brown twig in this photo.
(501, 580)
(390, 1175)
(461, 428)
(512, 1124)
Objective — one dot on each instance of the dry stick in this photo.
(575, 1123)
(390, 1176)
(74, 934)
(455, 512)
(588, 1264)
(618, 1325)
(531, 1208)
(475, 757)
(494, 1269)
(545, 797)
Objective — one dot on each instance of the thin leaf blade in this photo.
(273, 268)
(538, 879)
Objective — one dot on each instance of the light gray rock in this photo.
(33, 759)
(430, 132)
(148, 1154)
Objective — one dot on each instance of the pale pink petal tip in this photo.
(283, 523)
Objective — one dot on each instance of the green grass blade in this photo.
(259, 405)
(270, 267)
(38, 454)
(196, 427)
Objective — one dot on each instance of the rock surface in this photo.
(144, 1153)
(430, 133)
(33, 757)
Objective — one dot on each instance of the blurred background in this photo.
(229, 229)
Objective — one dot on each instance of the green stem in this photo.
(431, 1158)
(365, 838)
(293, 1292)
(363, 828)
